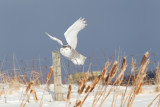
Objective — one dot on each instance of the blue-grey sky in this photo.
(134, 26)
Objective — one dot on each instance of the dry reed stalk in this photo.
(84, 82)
(86, 76)
(140, 80)
(103, 99)
(118, 84)
(133, 68)
(108, 80)
(137, 83)
(141, 77)
(27, 89)
(115, 95)
(48, 78)
(125, 92)
(157, 79)
(120, 76)
(154, 100)
(92, 86)
(102, 79)
(82, 85)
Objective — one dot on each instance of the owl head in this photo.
(65, 50)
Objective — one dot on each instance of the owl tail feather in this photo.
(80, 60)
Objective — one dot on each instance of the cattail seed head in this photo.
(78, 103)
(29, 86)
(96, 81)
(69, 91)
(50, 72)
(104, 71)
(144, 58)
(89, 86)
(123, 63)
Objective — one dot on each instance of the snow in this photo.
(14, 99)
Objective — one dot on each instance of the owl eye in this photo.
(66, 49)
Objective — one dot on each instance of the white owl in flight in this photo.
(68, 50)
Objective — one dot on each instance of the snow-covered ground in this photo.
(14, 98)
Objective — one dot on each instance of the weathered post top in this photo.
(57, 76)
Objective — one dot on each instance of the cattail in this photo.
(106, 65)
(80, 86)
(69, 91)
(24, 105)
(89, 86)
(144, 58)
(104, 71)
(96, 81)
(50, 72)
(145, 66)
(138, 88)
(107, 78)
(112, 71)
(123, 63)
(33, 92)
(29, 86)
(78, 103)
(103, 74)
(141, 76)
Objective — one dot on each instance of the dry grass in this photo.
(127, 99)
(158, 96)
(110, 79)
(157, 79)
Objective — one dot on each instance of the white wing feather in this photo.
(72, 32)
(54, 38)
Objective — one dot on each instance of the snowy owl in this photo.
(68, 51)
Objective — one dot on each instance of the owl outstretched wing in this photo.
(72, 32)
(54, 38)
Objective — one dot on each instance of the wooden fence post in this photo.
(58, 95)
